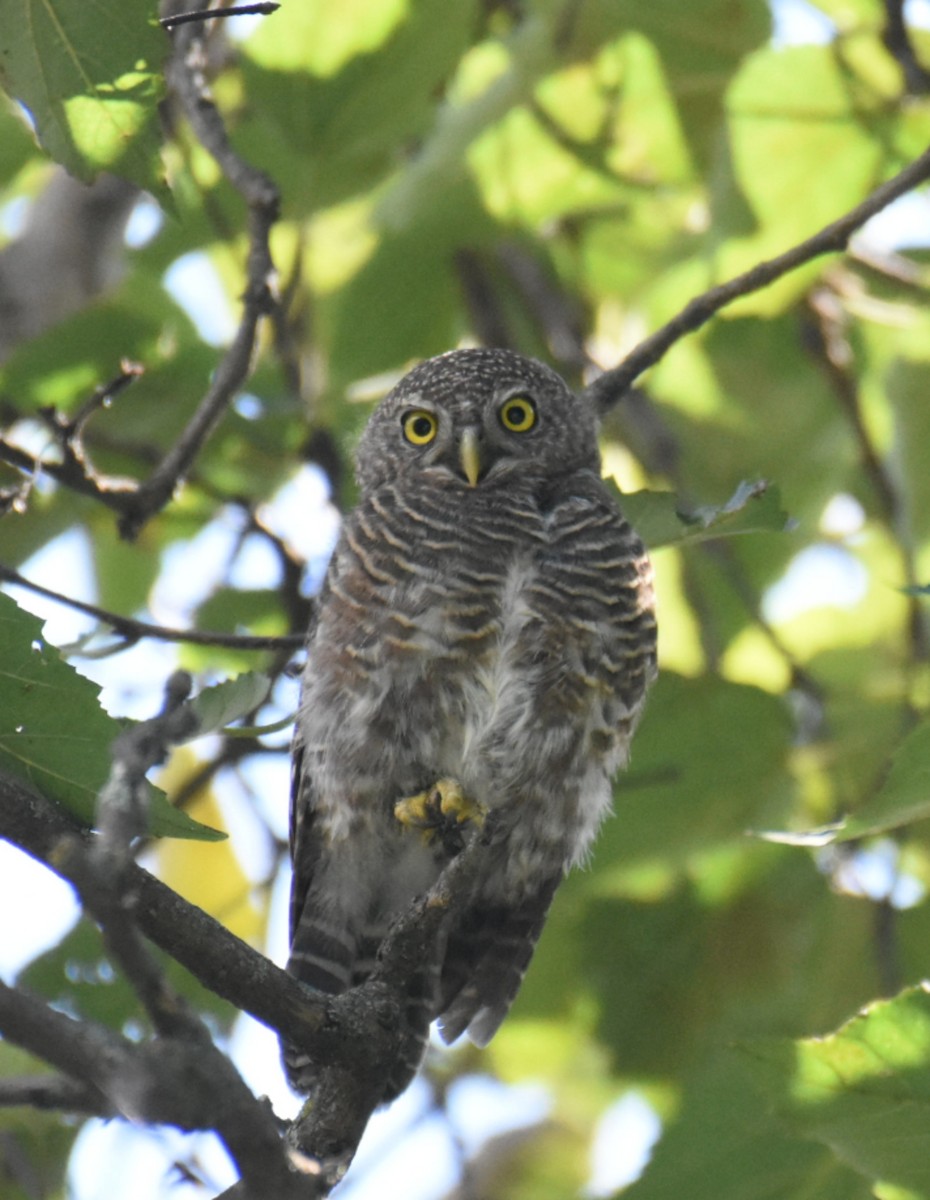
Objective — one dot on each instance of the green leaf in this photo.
(902, 799)
(689, 791)
(53, 733)
(726, 1145)
(864, 1090)
(228, 701)
(343, 132)
(89, 72)
(405, 302)
(753, 508)
(817, 141)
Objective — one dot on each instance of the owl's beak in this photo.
(470, 455)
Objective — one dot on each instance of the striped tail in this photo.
(486, 959)
(329, 960)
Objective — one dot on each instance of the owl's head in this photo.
(478, 418)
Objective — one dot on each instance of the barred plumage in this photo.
(488, 619)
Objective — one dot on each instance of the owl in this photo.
(481, 651)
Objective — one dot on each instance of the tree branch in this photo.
(263, 8)
(163, 1081)
(98, 869)
(608, 388)
(54, 1093)
(132, 630)
(133, 502)
(897, 39)
(261, 195)
(357, 1039)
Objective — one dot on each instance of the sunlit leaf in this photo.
(864, 1090)
(657, 518)
(685, 791)
(903, 798)
(93, 97)
(725, 1144)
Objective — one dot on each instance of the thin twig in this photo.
(133, 630)
(54, 1093)
(835, 357)
(610, 387)
(897, 39)
(72, 473)
(263, 200)
(832, 352)
(103, 396)
(75, 470)
(265, 8)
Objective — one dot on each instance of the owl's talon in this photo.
(439, 813)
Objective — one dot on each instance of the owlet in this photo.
(482, 648)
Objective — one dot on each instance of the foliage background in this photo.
(560, 177)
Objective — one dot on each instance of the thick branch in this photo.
(610, 387)
(356, 1039)
(159, 1082)
(190, 1079)
(222, 963)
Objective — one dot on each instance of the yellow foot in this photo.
(439, 812)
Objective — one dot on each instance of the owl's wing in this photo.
(486, 958)
(305, 847)
(323, 947)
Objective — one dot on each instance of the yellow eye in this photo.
(518, 414)
(420, 427)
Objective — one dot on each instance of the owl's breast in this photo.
(403, 665)
(451, 627)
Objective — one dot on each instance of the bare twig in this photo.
(263, 201)
(132, 630)
(897, 39)
(835, 356)
(73, 472)
(264, 8)
(610, 387)
(101, 397)
(828, 341)
(123, 801)
(54, 1093)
